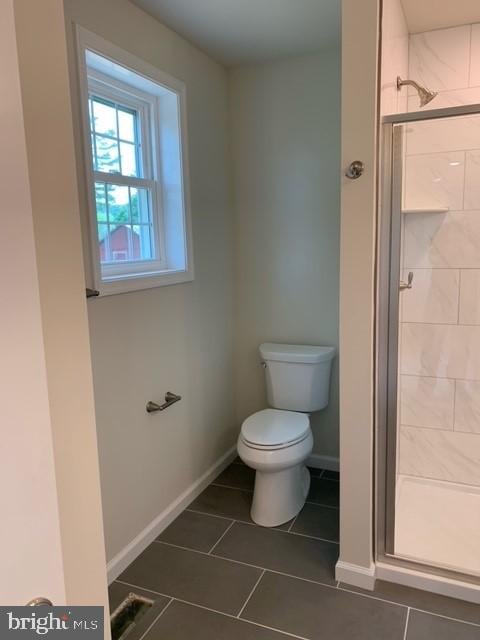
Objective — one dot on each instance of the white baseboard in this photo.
(429, 582)
(323, 462)
(134, 548)
(355, 575)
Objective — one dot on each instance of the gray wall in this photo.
(177, 338)
(286, 156)
(284, 129)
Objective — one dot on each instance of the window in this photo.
(135, 155)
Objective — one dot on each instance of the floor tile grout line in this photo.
(247, 564)
(289, 575)
(246, 490)
(212, 515)
(406, 624)
(229, 486)
(201, 606)
(156, 619)
(222, 536)
(442, 615)
(322, 584)
(252, 524)
(337, 585)
(321, 504)
(137, 586)
(231, 616)
(306, 535)
(289, 530)
(412, 607)
(251, 594)
(266, 569)
(263, 626)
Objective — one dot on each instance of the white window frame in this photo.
(149, 114)
(131, 276)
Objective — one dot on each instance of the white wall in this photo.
(30, 542)
(54, 199)
(394, 57)
(360, 35)
(177, 338)
(285, 136)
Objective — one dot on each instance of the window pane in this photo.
(118, 204)
(143, 235)
(139, 205)
(123, 244)
(120, 240)
(126, 125)
(129, 159)
(105, 118)
(103, 242)
(120, 243)
(101, 202)
(107, 155)
(102, 231)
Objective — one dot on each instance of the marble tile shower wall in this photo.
(447, 61)
(440, 316)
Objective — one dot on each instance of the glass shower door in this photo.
(433, 407)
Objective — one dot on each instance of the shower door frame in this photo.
(388, 272)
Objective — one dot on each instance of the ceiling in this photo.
(425, 15)
(242, 31)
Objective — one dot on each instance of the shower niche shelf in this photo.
(426, 210)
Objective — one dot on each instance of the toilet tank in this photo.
(298, 376)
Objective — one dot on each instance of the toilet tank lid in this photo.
(301, 353)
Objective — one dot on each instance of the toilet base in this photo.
(279, 495)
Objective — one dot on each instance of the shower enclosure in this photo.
(428, 343)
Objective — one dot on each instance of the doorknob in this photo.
(355, 169)
(409, 283)
(40, 602)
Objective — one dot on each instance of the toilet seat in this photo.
(273, 429)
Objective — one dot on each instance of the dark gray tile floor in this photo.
(213, 574)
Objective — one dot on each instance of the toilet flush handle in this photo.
(264, 364)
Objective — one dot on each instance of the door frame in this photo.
(40, 66)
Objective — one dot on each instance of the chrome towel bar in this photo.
(170, 398)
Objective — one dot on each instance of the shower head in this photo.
(424, 94)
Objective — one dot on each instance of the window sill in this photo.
(141, 282)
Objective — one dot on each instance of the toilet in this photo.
(276, 442)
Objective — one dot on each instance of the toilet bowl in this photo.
(276, 442)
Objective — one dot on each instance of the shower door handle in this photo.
(409, 283)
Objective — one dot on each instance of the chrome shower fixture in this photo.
(424, 94)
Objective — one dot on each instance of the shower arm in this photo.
(411, 83)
